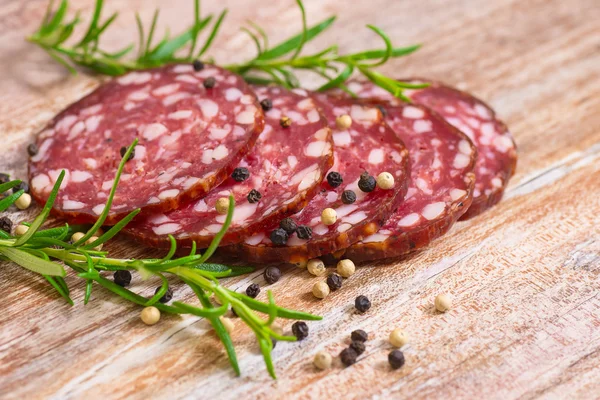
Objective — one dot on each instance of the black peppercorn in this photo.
(334, 281)
(166, 297)
(358, 347)
(348, 356)
(359, 336)
(366, 183)
(6, 224)
(32, 149)
(348, 197)
(253, 290)
(382, 109)
(240, 174)
(122, 278)
(272, 274)
(396, 359)
(233, 313)
(334, 179)
(254, 196)
(124, 150)
(362, 304)
(288, 225)
(4, 178)
(300, 330)
(24, 186)
(304, 232)
(266, 104)
(279, 237)
(209, 82)
(198, 65)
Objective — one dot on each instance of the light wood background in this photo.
(525, 276)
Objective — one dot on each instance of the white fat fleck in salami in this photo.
(286, 166)
(174, 118)
(362, 146)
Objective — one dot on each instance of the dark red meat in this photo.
(190, 138)
(286, 166)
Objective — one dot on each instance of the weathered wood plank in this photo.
(525, 276)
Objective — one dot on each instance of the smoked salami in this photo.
(362, 151)
(440, 185)
(497, 156)
(274, 180)
(193, 126)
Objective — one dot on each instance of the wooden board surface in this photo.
(525, 276)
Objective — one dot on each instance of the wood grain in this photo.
(525, 276)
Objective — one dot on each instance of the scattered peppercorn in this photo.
(348, 197)
(166, 297)
(266, 104)
(6, 224)
(346, 268)
(23, 202)
(240, 174)
(334, 281)
(122, 278)
(334, 179)
(322, 360)
(328, 216)
(366, 183)
(24, 186)
(285, 122)
(382, 109)
(320, 290)
(343, 122)
(150, 315)
(359, 336)
(4, 178)
(198, 65)
(385, 181)
(316, 267)
(358, 347)
(274, 341)
(253, 290)
(227, 324)
(398, 338)
(288, 225)
(32, 149)
(396, 359)
(304, 232)
(362, 304)
(272, 274)
(76, 237)
(279, 237)
(254, 196)
(92, 240)
(209, 82)
(348, 356)
(300, 330)
(124, 150)
(222, 205)
(443, 302)
(21, 229)
(233, 313)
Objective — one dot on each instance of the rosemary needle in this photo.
(45, 251)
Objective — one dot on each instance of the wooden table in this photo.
(525, 276)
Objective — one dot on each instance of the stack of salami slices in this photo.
(312, 174)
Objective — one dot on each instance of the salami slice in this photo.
(367, 145)
(497, 157)
(274, 180)
(440, 186)
(193, 128)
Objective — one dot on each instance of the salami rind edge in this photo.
(277, 178)
(193, 128)
(497, 159)
(368, 145)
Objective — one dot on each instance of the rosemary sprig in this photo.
(47, 251)
(276, 64)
